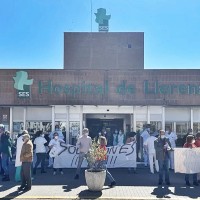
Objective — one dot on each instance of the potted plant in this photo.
(96, 174)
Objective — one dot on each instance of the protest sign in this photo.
(187, 160)
(118, 156)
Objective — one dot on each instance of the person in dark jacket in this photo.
(2, 130)
(6, 155)
(162, 146)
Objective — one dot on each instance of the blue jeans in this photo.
(194, 177)
(5, 163)
(108, 174)
(163, 169)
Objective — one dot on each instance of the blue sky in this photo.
(31, 31)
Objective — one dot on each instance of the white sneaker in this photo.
(54, 173)
(61, 173)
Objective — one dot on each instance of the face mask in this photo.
(42, 135)
(193, 141)
(162, 136)
(56, 137)
(86, 134)
(120, 132)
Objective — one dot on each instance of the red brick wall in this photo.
(114, 78)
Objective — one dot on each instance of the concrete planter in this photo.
(95, 180)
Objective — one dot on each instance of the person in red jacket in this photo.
(103, 143)
(190, 144)
(197, 141)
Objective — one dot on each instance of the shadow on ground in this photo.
(87, 194)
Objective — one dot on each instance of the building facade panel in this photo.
(103, 51)
(103, 87)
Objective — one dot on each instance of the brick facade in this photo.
(96, 50)
(104, 87)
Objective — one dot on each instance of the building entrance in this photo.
(109, 125)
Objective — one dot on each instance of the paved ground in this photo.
(141, 185)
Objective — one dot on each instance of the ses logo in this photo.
(22, 84)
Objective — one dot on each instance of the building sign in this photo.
(123, 88)
(22, 84)
(99, 88)
(102, 19)
(118, 156)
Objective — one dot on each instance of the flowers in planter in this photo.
(96, 157)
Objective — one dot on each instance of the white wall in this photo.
(38, 113)
(108, 109)
(18, 114)
(177, 114)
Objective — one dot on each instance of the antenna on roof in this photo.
(91, 13)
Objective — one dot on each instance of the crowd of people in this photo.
(158, 151)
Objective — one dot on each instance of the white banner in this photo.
(187, 160)
(118, 156)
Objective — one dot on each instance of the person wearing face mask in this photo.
(144, 135)
(162, 146)
(26, 157)
(18, 163)
(84, 143)
(150, 149)
(189, 132)
(51, 136)
(190, 143)
(58, 131)
(121, 138)
(115, 137)
(40, 151)
(172, 138)
(55, 143)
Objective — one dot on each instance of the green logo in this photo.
(21, 79)
(22, 84)
(102, 19)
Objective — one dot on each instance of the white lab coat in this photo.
(20, 143)
(149, 145)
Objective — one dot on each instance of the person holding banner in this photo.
(162, 146)
(190, 140)
(197, 143)
(54, 144)
(84, 143)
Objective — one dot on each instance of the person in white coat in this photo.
(18, 163)
(51, 136)
(144, 135)
(121, 138)
(172, 139)
(150, 149)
